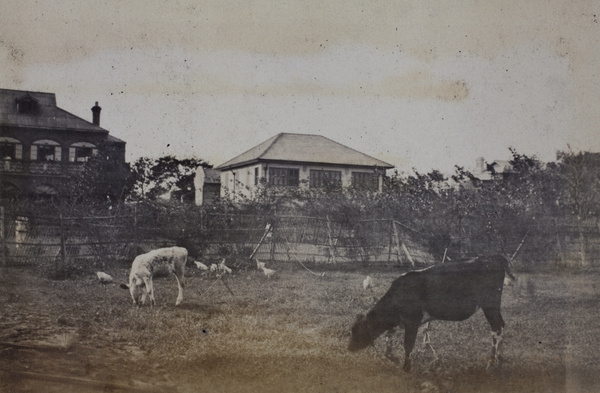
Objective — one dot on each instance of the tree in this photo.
(97, 181)
(581, 173)
(152, 178)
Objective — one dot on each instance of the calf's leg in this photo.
(180, 287)
(150, 290)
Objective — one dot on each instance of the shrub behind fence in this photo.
(85, 242)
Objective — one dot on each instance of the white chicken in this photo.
(104, 278)
(368, 283)
(268, 272)
(201, 266)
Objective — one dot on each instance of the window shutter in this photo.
(71, 154)
(18, 152)
(33, 152)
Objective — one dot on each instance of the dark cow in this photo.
(450, 292)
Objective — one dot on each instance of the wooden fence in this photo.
(28, 240)
(33, 240)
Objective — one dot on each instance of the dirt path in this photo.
(45, 347)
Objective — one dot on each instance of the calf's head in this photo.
(137, 289)
(362, 334)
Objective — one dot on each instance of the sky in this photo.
(419, 84)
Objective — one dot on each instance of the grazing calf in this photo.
(447, 292)
(170, 260)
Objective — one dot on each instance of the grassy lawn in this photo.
(286, 334)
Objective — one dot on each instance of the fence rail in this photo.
(31, 240)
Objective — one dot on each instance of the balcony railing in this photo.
(48, 168)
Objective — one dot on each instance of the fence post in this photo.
(272, 251)
(63, 250)
(331, 245)
(2, 238)
(135, 227)
(391, 239)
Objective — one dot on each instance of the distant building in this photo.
(498, 169)
(41, 145)
(301, 160)
(207, 184)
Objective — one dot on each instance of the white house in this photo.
(301, 160)
(497, 169)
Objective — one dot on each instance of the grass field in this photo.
(287, 334)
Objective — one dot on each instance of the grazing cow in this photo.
(170, 260)
(447, 292)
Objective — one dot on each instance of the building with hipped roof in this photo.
(301, 160)
(42, 145)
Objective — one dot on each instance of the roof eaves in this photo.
(226, 166)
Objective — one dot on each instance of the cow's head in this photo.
(362, 334)
(137, 289)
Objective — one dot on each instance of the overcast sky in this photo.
(423, 84)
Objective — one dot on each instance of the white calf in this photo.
(170, 260)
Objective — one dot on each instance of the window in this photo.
(256, 176)
(367, 181)
(325, 178)
(10, 149)
(27, 104)
(284, 177)
(45, 150)
(7, 151)
(82, 151)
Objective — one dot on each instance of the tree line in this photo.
(456, 214)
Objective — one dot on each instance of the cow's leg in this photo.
(389, 343)
(427, 340)
(497, 324)
(180, 287)
(410, 337)
(150, 290)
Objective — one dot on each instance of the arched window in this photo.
(10, 149)
(9, 191)
(82, 151)
(45, 150)
(44, 189)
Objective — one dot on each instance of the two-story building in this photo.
(301, 160)
(42, 145)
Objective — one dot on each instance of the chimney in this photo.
(479, 165)
(96, 114)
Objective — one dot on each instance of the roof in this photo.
(212, 176)
(112, 139)
(303, 148)
(47, 115)
(502, 166)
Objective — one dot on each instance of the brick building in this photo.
(42, 145)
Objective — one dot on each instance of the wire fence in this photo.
(100, 240)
